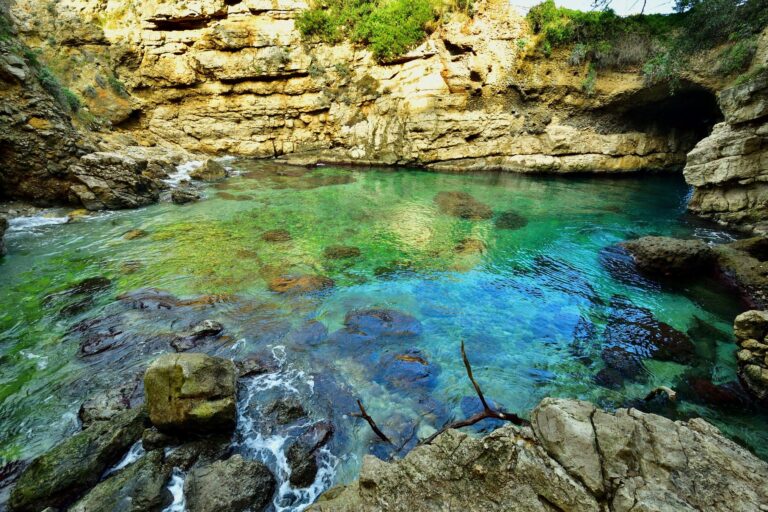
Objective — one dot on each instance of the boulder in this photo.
(112, 181)
(233, 485)
(751, 331)
(660, 256)
(58, 477)
(462, 205)
(184, 196)
(3, 228)
(576, 457)
(211, 170)
(140, 487)
(299, 284)
(191, 393)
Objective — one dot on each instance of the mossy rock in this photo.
(191, 393)
(61, 475)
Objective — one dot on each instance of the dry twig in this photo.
(363, 414)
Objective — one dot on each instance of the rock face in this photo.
(576, 457)
(729, 169)
(112, 181)
(58, 477)
(233, 485)
(235, 77)
(211, 170)
(751, 331)
(191, 393)
(670, 257)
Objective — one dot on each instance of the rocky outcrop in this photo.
(575, 457)
(191, 393)
(112, 181)
(59, 476)
(670, 257)
(751, 331)
(729, 169)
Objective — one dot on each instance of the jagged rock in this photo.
(140, 487)
(184, 196)
(299, 284)
(60, 476)
(670, 257)
(211, 170)
(3, 228)
(112, 181)
(751, 331)
(576, 457)
(233, 485)
(191, 393)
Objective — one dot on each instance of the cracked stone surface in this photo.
(574, 457)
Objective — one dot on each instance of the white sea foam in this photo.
(35, 221)
(176, 488)
(134, 454)
(182, 172)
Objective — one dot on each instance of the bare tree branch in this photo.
(364, 415)
(487, 413)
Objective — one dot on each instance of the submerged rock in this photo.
(751, 331)
(299, 284)
(510, 221)
(191, 393)
(576, 457)
(140, 487)
(462, 205)
(211, 170)
(277, 235)
(3, 228)
(382, 322)
(470, 246)
(197, 334)
(233, 485)
(302, 454)
(340, 252)
(60, 476)
(134, 234)
(407, 371)
(660, 256)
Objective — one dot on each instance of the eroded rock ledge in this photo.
(576, 457)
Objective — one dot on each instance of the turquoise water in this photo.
(527, 279)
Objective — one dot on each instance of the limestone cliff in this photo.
(235, 77)
(729, 169)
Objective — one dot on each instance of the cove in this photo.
(395, 267)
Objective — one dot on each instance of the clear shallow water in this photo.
(536, 305)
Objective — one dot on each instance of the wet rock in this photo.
(256, 365)
(200, 452)
(617, 261)
(107, 404)
(751, 331)
(341, 252)
(299, 284)
(722, 396)
(134, 234)
(153, 439)
(184, 196)
(77, 298)
(149, 299)
(198, 333)
(3, 228)
(233, 485)
(285, 411)
(407, 371)
(470, 246)
(670, 257)
(276, 235)
(744, 264)
(112, 181)
(59, 476)
(140, 487)
(510, 221)
(635, 330)
(108, 337)
(302, 455)
(382, 322)
(211, 170)
(191, 393)
(462, 205)
(625, 363)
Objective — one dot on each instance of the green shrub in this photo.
(588, 85)
(737, 56)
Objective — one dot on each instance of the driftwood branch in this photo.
(364, 415)
(487, 413)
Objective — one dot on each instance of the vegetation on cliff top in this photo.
(660, 44)
(388, 27)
